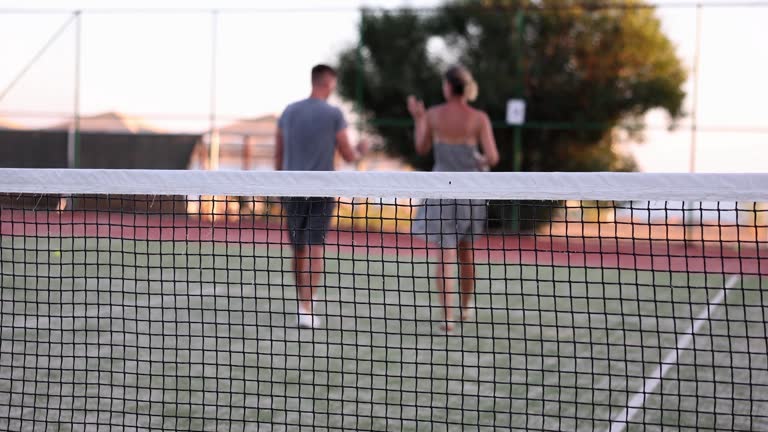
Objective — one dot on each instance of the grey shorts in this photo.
(308, 219)
(449, 222)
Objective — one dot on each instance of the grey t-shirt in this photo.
(309, 130)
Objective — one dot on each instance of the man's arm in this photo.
(349, 153)
(279, 150)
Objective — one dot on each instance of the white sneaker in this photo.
(308, 320)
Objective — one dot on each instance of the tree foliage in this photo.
(584, 71)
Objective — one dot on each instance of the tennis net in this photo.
(167, 300)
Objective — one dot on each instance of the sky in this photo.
(158, 66)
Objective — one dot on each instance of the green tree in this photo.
(585, 72)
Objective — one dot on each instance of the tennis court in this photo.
(202, 336)
(135, 320)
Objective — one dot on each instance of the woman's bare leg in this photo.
(444, 276)
(467, 280)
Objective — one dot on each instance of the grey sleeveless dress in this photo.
(446, 222)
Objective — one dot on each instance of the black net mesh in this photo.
(181, 313)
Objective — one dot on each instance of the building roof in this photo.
(113, 122)
(7, 124)
(263, 125)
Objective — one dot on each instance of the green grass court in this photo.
(193, 336)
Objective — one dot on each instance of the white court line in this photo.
(619, 423)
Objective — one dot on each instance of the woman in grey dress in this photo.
(462, 140)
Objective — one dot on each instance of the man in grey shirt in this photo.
(308, 135)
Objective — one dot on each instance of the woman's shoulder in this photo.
(436, 108)
(479, 116)
(433, 112)
(444, 107)
(478, 112)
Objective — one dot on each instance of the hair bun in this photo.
(470, 90)
(462, 82)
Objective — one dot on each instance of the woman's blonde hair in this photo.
(460, 81)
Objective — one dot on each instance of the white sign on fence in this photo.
(515, 112)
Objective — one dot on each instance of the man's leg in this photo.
(308, 267)
(309, 258)
(296, 211)
(300, 261)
